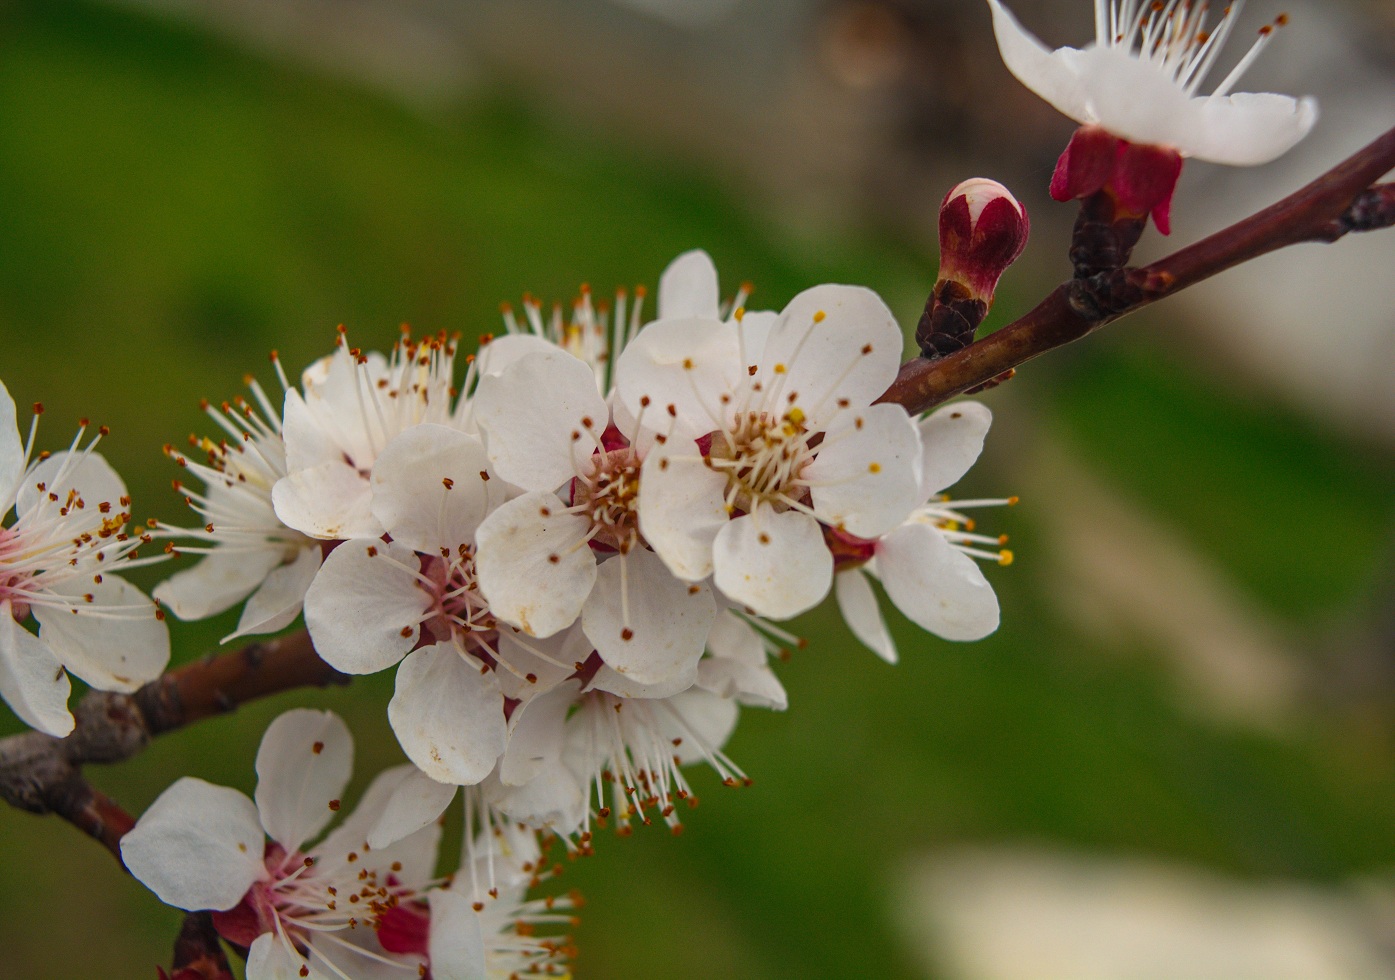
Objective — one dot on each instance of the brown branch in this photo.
(42, 774)
(198, 951)
(1337, 203)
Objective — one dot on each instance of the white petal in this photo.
(754, 329)
(278, 601)
(114, 642)
(1249, 128)
(688, 288)
(502, 352)
(858, 604)
(220, 580)
(682, 367)
(738, 666)
(936, 586)
(308, 444)
(701, 719)
(831, 345)
(332, 855)
(330, 501)
(542, 419)
(456, 943)
(623, 686)
(866, 477)
(198, 846)
(681, 509)
(534, 567)
(644, 622)
(303, 765)
(271, 957)
(548, 661)
(32, 680)
(416, 802)
(775, 564)
(88, 474)
(430, 488)
(753, 685)
(1037, 67)
(951, 439)
(11, 451)
(553, 800)
(448, 716)
(359, 604)
(535, 737)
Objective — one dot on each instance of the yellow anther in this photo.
(820, 316)
(874, 467)
(780, 369)
(740, 313)
(1006, 557)
(795, 415)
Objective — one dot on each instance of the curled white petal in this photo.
(279, 599)
(858, 603)
(542, 419)
(220, 580)
(681, 509)
(331, 501)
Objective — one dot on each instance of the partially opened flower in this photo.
(248, 552)
(1141, 78)
(354, 403)
(927, 565)
(59, 563)
(1139, 82)
(321, 911)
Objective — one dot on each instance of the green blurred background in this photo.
(1197, 658)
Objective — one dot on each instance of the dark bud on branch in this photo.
(983, 230)
(1120, 185)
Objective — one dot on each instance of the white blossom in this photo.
(927, 564)
(353, 404)
(248, 552)
(59, 562)
(765, 435)
(324, 909)
(1141, 77)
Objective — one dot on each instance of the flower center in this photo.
(454, 589)
(762, 455)
(609, 497)
(14, 582)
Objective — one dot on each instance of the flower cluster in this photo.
(576, 555)
(339, 908)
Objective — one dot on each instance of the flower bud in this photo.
(983, 230)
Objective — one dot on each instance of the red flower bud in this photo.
(983, 230)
